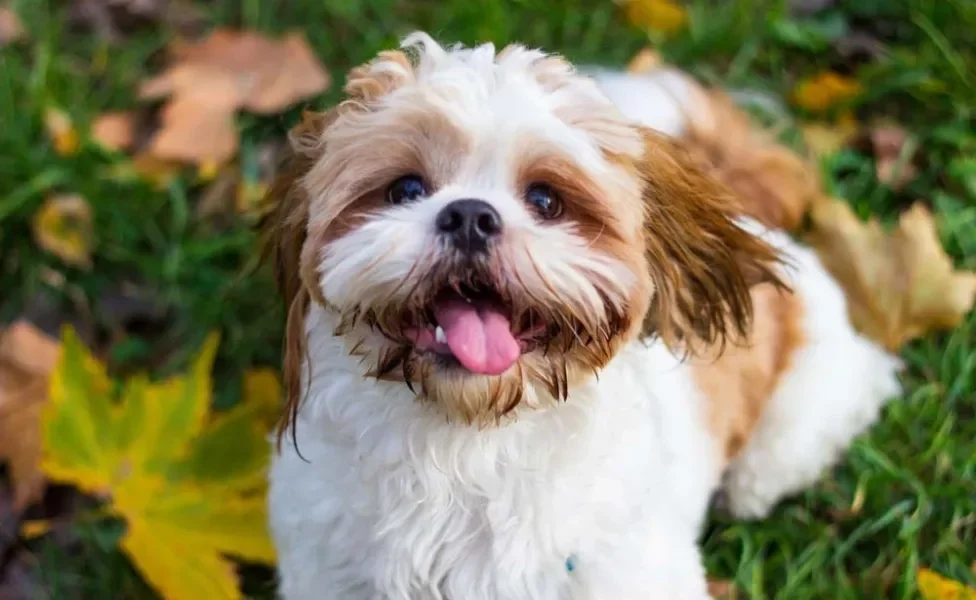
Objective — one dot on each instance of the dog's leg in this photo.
(833, 390)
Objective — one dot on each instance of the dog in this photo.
(529, 339)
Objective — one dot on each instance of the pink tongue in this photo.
(479, 336)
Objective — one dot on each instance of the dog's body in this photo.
(592, 488)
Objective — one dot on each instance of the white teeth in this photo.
(439, 335)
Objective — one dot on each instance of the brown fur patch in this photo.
(739, 381)
(772, 183)
(702, 264)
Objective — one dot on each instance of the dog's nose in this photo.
(470, 224)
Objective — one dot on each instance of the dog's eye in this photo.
(545, 200)
(406, 189)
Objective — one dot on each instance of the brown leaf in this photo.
(772, 182)
(722, 589)
(209, 81)
(63, 227)
(198, 127)
(267, 75)
(27, 357)
(893, 153)
(114, 130)
(11, 27)
(899, 284)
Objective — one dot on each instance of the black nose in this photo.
(470, 224)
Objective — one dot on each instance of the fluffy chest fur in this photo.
(396, 502)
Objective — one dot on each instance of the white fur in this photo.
(396, 503)
(381, 498)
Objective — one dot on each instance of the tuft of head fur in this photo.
(647, 244)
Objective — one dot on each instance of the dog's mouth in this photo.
(477, 328)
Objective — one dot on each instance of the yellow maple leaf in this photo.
(62, 131)
(899, 284)
(824, 91)
(189, 485)
(663, 17)
(825, 139)
(63, 227)
(932, 586)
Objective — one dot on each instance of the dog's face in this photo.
(489, 229)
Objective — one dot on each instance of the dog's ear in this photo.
(701, 261)
(284, 229)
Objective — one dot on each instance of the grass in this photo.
(904, 497)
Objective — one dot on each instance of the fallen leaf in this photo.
(266, 75)
(824, 139)
(27, 357)
(63, 227)
(208, 81)
(114, 130)
(262, 391)
(62, 131)
(189, 485)
(644, 61)
(824, 91)
(893, 153)
(932, 586)
(899, 284)
(11, 27)
(198, 127)
(722, 589)
(663, 17)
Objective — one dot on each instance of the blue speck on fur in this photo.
(571, 563)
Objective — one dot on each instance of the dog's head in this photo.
(488, 229)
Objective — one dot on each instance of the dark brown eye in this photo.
(545, 200)
(406, 189)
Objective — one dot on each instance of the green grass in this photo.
(911, 480)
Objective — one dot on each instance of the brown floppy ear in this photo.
(283, 230)
(701, 262)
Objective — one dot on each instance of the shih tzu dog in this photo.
(529, 338)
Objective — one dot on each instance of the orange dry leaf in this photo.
(11, 27)
(658, 16)
(824, 91)
(114, 130)
(63, 227)
(198, 126)
(932, 586)
(899, 284)
(27, 357)
(210, 80)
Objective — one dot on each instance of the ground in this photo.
(904, 497)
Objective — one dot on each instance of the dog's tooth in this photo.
(439, 335)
